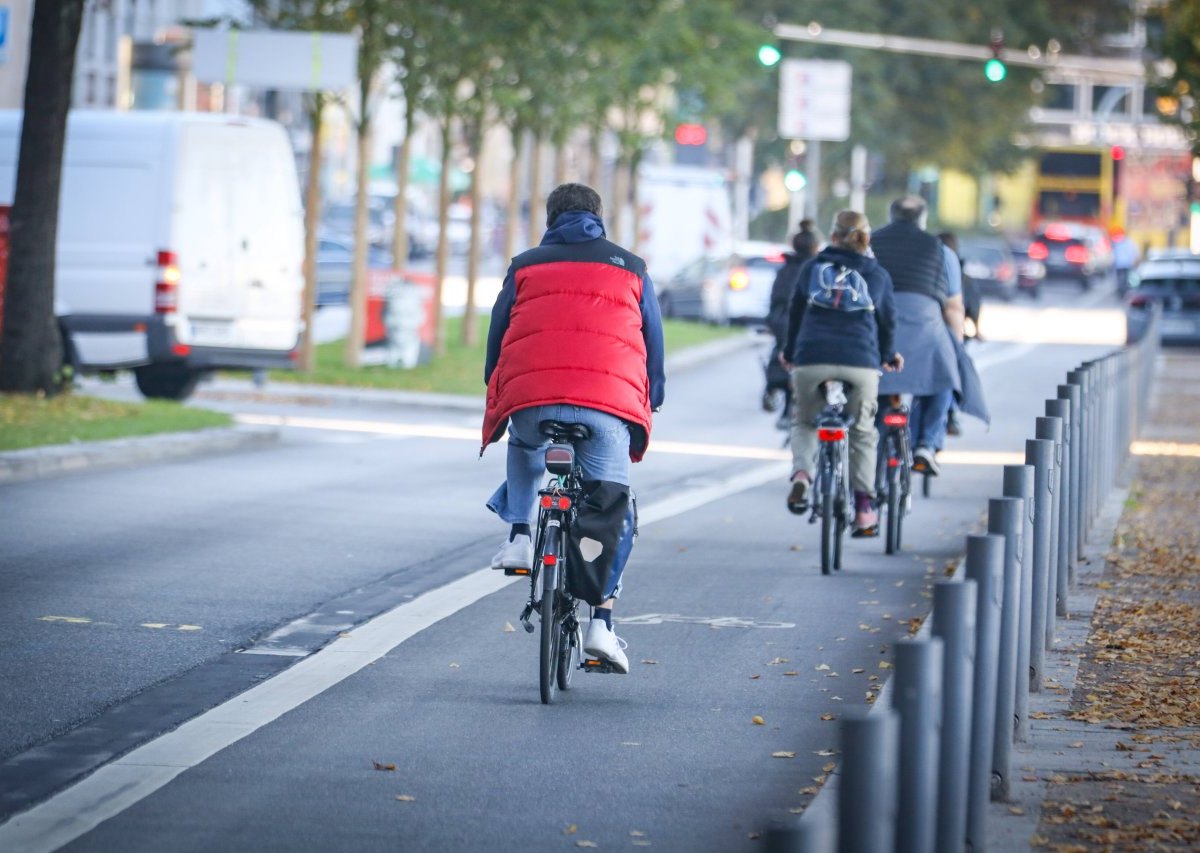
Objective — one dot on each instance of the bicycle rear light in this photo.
(896, 419)
(560, 458)
(825, 434)
(555, 502)
(549, 559)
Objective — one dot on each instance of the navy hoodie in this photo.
(856, 338)
(580, 226)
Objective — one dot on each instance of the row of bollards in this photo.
(919, 775)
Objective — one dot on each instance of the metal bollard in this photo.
(918, 700)
(954, 624)
(1039, 452)
(1019, 483)
(1058, 411)
(1069, 551)
(1005, 516)
(1079, 467)
(985, 566)
(867, 799)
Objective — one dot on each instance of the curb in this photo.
(40, 462)
(320, 395)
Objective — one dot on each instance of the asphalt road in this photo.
(137, 599)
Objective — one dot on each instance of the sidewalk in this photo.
(1113, 756)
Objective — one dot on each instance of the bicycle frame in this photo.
(831, 489)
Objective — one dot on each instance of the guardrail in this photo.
(918, 776)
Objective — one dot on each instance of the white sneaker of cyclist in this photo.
(515, 554)
(603, 643)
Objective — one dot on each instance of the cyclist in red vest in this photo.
(576, 336)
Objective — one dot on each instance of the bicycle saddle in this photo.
(560, 430)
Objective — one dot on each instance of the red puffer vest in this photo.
(575, 337)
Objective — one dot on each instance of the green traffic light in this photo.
(769, 54)
(794, 180)
(994, 70)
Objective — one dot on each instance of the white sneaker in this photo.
(603, 643)
(517, 554)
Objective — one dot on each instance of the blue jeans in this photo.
(604, 456)
(927, 419)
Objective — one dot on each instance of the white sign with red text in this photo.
(814, 99)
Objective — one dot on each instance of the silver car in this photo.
(1172, 281)
(732, 288)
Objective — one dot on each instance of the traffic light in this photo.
(691, 134)
(994, 69)
(794, 180)
(769, 55)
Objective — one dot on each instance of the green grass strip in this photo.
(27, 420)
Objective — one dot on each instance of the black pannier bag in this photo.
(594, 539)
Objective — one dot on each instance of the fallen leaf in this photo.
(783, 754)
(650, 662)
(857, 670)
(825, 752)
(586, 844)
(883, 664)
(777, 661)
(810, 791)
(1017, 810)
(379, 766)
(508, 628)
(755, 677)
(797, 810)
(571, 829)
(454, 665)
(828, 768)
(827, 717)
(823, 667)
(406, 798)
(636, 833)
(1077, 745)
(754, 836)
(791, 672)
(758, 721)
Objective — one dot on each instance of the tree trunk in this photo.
(358, 277)
(634, 161)
(595, 166)
(512, 222)
(443, 246)
(562, 163)
(470, 321)
(403, 158)
(312, 220)
(537, 204)
(616, 218)
(31, 349)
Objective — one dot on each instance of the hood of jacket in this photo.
(863, 264)
(574, 226)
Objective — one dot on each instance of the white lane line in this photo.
(122, 783)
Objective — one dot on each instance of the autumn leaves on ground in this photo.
(1141, 671)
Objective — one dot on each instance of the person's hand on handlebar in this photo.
(895, 365)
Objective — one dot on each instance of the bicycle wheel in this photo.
(895, 511)
(569, 646)
(551, 628)
(845, 500)
(828, 499)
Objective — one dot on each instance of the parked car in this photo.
(337, 220)
(335, 263)
(989, 262)
(180, 244)
(1073, 250)
(730, 288)
(1174, 283)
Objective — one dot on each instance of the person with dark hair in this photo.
(805, 243)
(576, 337)
(841, 325)
(929, 307)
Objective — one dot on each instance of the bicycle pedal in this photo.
(595, 665)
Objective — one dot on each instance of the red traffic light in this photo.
(691, 134)
(1118, 153)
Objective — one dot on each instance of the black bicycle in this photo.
(561, 647)
(893, 476)
(832, 501)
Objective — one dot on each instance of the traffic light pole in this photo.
(1113, 70)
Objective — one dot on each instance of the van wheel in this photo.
(166, 381)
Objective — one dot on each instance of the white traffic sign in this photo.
(275, 60)
(814, 99)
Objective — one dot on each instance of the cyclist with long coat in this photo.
(853, 346)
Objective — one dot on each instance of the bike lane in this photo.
(727, 618)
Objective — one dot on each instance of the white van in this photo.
(180, 244)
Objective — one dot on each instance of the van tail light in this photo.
(166, 284)
(831, 434)
(1038, 252)
(739, 279)
(1076, 254)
